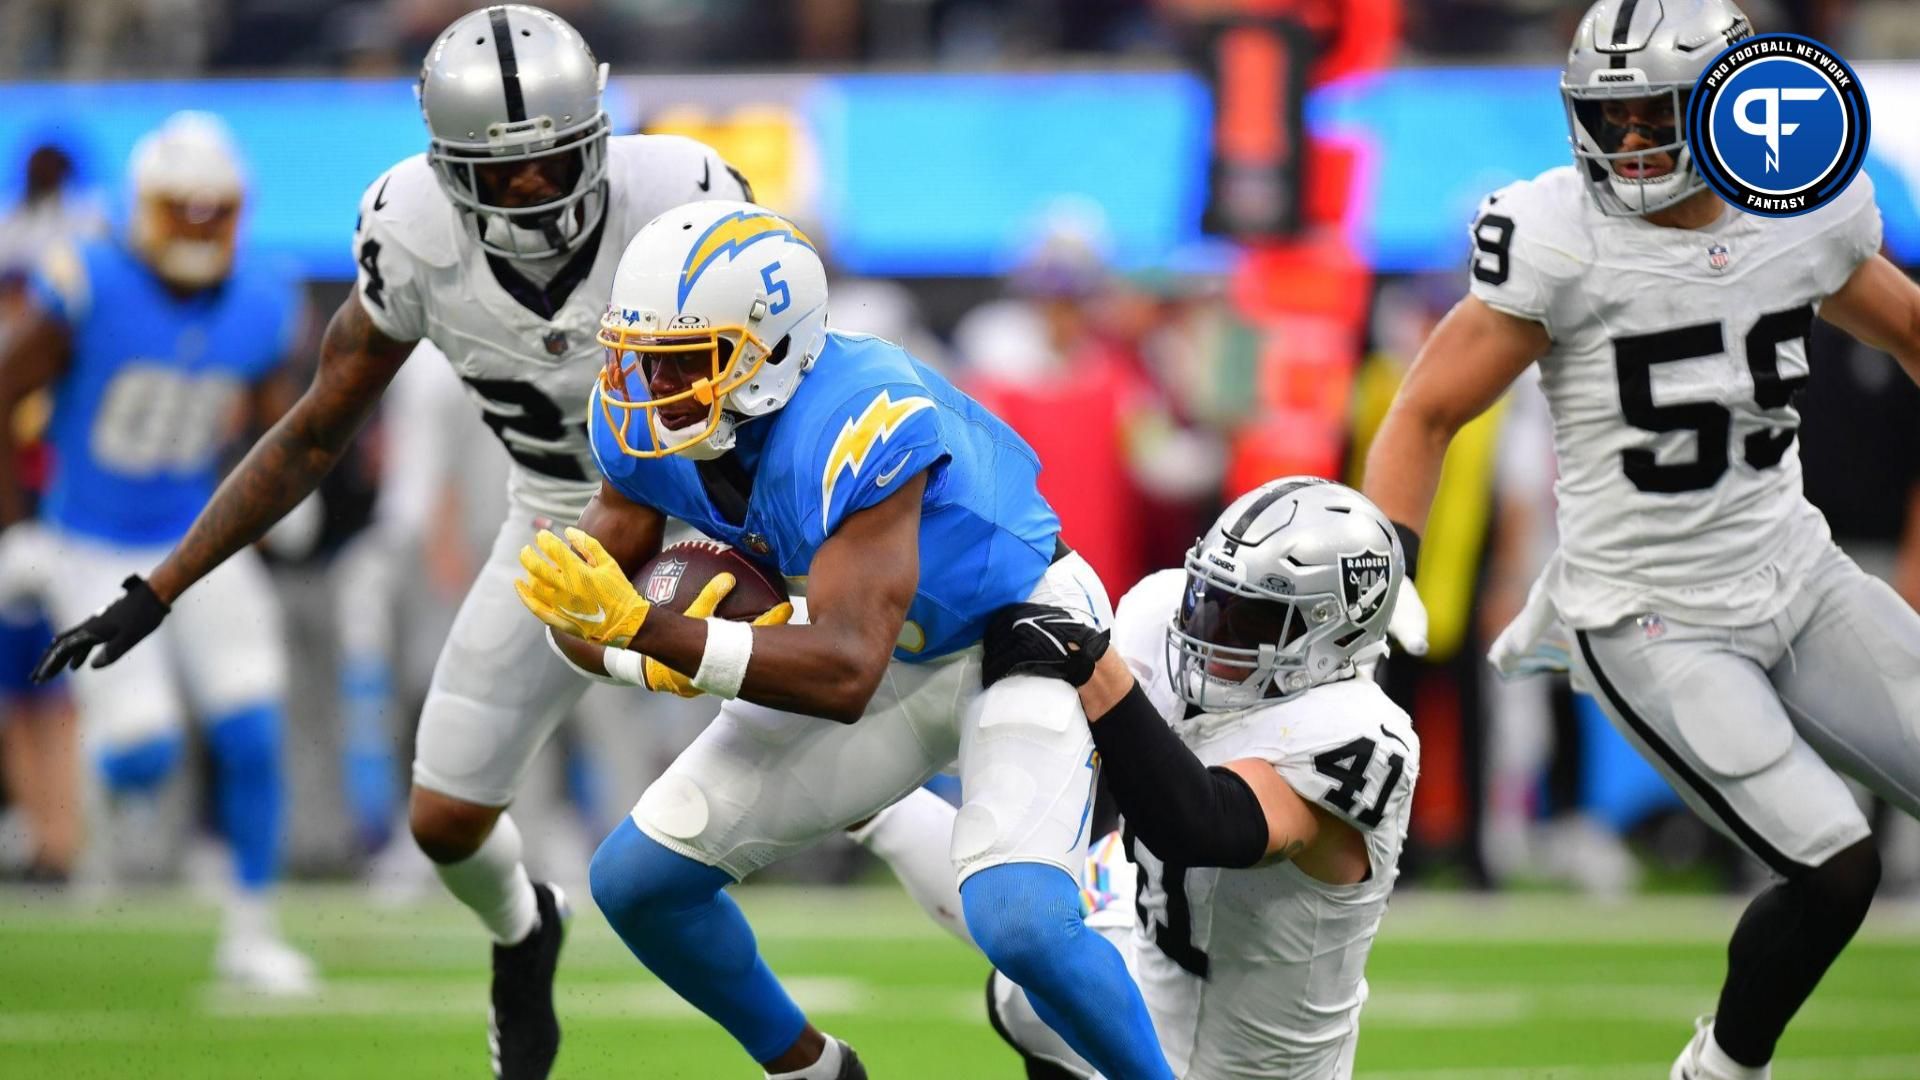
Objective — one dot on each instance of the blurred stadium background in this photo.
(1184, 245)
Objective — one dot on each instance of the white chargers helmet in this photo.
(718, 309)
(1624, 53)
(1292, 585)
(508, 87)
(188, 187)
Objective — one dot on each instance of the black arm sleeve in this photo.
(1182, 810)
(1409, 547)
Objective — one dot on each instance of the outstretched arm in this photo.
(1234, 815)
(1880, 307)
(356, 363)
(1472, 357)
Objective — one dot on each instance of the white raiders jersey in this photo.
(1676, 354)
(528, 363)
(1260, 972)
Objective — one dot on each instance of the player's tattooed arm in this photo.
(1467, 363)
(33, 359)
(357, 362)
(1880, 307)
(859, 587)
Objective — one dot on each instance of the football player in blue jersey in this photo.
(905, 514)
(154, 345)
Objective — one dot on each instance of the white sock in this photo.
(250, 916)
(494, 885)
(826, 1068)
(914, 836)
(1721, 1067)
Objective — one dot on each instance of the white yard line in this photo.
(465, 999)
(1888, 1067)
(883, 913)
(1437, 1005)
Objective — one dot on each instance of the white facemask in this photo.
(193, 264)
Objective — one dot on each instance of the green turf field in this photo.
(1463, 989)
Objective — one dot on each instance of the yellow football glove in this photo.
(663, 679)
(578, 589)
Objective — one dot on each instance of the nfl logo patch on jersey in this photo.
(556, 342)
(665, 581)
(1363, 583)
(1718, 256)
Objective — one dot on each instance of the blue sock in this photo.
(140, 769)
(674, 915)
(248, 795)
(367, 755)
(1026, 918)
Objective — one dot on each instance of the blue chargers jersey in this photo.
(153, 385)
(867, 417)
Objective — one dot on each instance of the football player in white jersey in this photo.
(1695, 591)
(498, 245)
(1264, 780)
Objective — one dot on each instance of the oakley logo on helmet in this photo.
(1779, 124)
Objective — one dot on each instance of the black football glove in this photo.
(1036, 639)
(115, 628)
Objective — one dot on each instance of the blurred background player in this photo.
(1695, 588)
(160, 347)
(497, 245)
(1264, 779)
(38, 744)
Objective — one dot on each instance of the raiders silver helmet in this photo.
(511, 96)
(1630, 72)
(1292, 583)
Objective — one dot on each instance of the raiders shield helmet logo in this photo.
(665, 581)
(1363, 583)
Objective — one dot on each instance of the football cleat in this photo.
(1691, 1064)
(265, 965)
(850, 1067)
(523, 1034)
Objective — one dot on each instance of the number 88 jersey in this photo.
(153, 386)
(1260, 972)
(522, 336)
(1675, 358)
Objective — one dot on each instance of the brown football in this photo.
(673, 578)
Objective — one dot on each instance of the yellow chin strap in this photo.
(627, 347)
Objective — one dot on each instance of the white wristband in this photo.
(625, 666)
(723, 666)
(553, 644)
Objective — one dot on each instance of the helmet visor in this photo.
(1231, 643)
(1630, 144)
